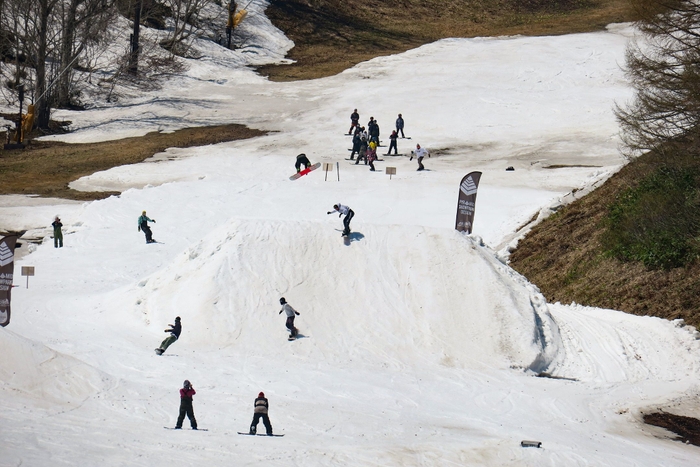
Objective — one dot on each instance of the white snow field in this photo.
(420, 345)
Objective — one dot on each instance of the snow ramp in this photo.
(395, 295)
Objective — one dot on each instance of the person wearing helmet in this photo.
(291, 314)
(349, 214)
(186, 394)
(174, 331)
(143, 227)
(261, 405)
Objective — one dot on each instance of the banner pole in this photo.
(337, 164)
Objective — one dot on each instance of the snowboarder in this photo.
(349, 214)
(261, 405)
(302, 160)
(291, 312)
(394, 136)
(143, 227)
(399, 126)
(57, 234)
(354, 121)
(186, 394)
(420, 153)
(356, 141)
(174, 331)
(372, 155)
(362, 153)
(374, 132)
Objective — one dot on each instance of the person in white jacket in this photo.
(349, 214)
(420, 153)
(291, 314)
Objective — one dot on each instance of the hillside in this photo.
(333, 35)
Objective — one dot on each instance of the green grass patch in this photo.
(656, 222)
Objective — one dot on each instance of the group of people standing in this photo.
(366, 141)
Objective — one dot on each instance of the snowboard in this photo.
(305, 171)
(198, 429)
(259, 434)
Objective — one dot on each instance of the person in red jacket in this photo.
(186, 394)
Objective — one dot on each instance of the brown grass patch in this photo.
(46, 168)
(333, 35)
(687, 428)
(563, 256)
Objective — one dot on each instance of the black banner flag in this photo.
(7, 264)
(467, 202)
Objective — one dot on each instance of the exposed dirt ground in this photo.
(687, 428)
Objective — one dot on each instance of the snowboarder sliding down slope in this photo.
(302, 160)
(174, 331)
(143, 227)
(420, 153)
(349, 214)
(186, 394)
(261, 405)
(290, 312)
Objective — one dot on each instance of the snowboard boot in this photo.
(252, 430)
(160, 351)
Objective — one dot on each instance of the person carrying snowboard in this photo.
(349, 214)
(290, 312)
(174, 331)
(57, 234)
(143, 227)
(302, 160)
(261, 405)
(186, 394)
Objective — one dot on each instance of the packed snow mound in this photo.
(396, 295)
(40, 373)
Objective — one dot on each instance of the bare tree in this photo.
(185, 19)
(663, 66)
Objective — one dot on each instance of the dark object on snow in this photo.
(530, 444)
(510, 169)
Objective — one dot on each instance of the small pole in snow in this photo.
(390, 171)
(328, 167)
(338, 165)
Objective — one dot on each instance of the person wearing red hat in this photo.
(261, 406)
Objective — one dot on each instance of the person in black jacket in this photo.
(399, 126)
(57, 234)
(302, 160)
(394, 136)
(174, 331)
(354, 121)
(261, 406)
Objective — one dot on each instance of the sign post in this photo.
(328, 167)
(27, 271)
(390, 171)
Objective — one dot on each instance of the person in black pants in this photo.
(302, 160)
(349, 214)
(186, 394)
(399, 126)
(394, 136)
(261, 406)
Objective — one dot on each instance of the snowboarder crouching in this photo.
(186, 394)
(261, 406)
(420, 153)
(143, 227)
(291, 312)
(349, 214)
(174, 331)
(302, 160)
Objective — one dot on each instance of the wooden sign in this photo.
(27, 271)
(390, 171)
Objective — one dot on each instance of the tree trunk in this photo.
(134, 59)
(42, 103)
(67, 56)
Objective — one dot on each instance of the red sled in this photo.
(305, 171)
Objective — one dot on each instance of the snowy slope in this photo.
(420, 347)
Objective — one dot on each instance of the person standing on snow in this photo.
(372, 155)
(261, 405)
(354, 121)
(374, 132)
(356, 140)
(349, 214)
(290, 312)
(143, 227)
(394, 136)
(186, 394)
(399, 126)
(174, 331)
(420, 153)
(57, 234)
(302, 160)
